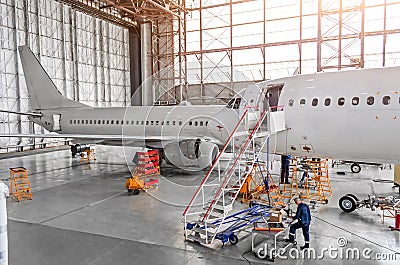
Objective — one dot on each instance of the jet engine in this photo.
(196, 154)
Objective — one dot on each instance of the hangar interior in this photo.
(108, 53)
(99, 52)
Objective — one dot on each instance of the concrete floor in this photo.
(82, 214)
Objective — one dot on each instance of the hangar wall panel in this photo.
(87, 58)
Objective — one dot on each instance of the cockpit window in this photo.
(230, 103)
(302, 102)
(237, 103)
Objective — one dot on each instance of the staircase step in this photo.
(197, 239)
(203, 232)
(216, 210)
(202, 223)
(211, 217)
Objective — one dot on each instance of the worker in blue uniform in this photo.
(303, 217)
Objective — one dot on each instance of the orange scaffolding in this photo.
(20, 185)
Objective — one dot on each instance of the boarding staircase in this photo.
(216, 196)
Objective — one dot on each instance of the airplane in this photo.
(348, 115)
(181, 133)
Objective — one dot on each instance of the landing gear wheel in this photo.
(233, 239)
(355, 168)
(136, 192)
(347, 204)
(353, 196)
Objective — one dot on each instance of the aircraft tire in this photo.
(347, 203)
(355, 168)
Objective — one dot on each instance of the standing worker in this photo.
(4, 193)
(285, 163)
(303, 218)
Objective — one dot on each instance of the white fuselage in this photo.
(348, 115)
(361, 122)
(147, 123)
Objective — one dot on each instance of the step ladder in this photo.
(20, 185)
(315, 182)
(224, 190)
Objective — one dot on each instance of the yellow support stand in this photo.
(88, 155)
(254, 187)
(20, 185)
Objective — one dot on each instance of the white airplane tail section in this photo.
(43, 94)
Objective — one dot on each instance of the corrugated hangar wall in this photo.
(87, 58)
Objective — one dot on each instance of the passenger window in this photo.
(99, 122)
(104, 122)
(142, 122)
(303, 102)
(314, 102)
(112, 121)
(147, 122)
(70, 121)
(94, 122)
(152, 123)
(137, 122)
(327, 102)
(108, 122)
(79, 121)
(196, 123)
(117, 122)
(355, 101)
(157, 122)
(167, 122)
(237, 103)
(201, 123)
(180, 122)
(386, 100)
(340, 101)
(190, 123)
(162, 123)
(90, 122)
(87, 122)
(173, 123)
(230, 103)
(370, 101)
(74, 121)
(122, 122)
(291, 102)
